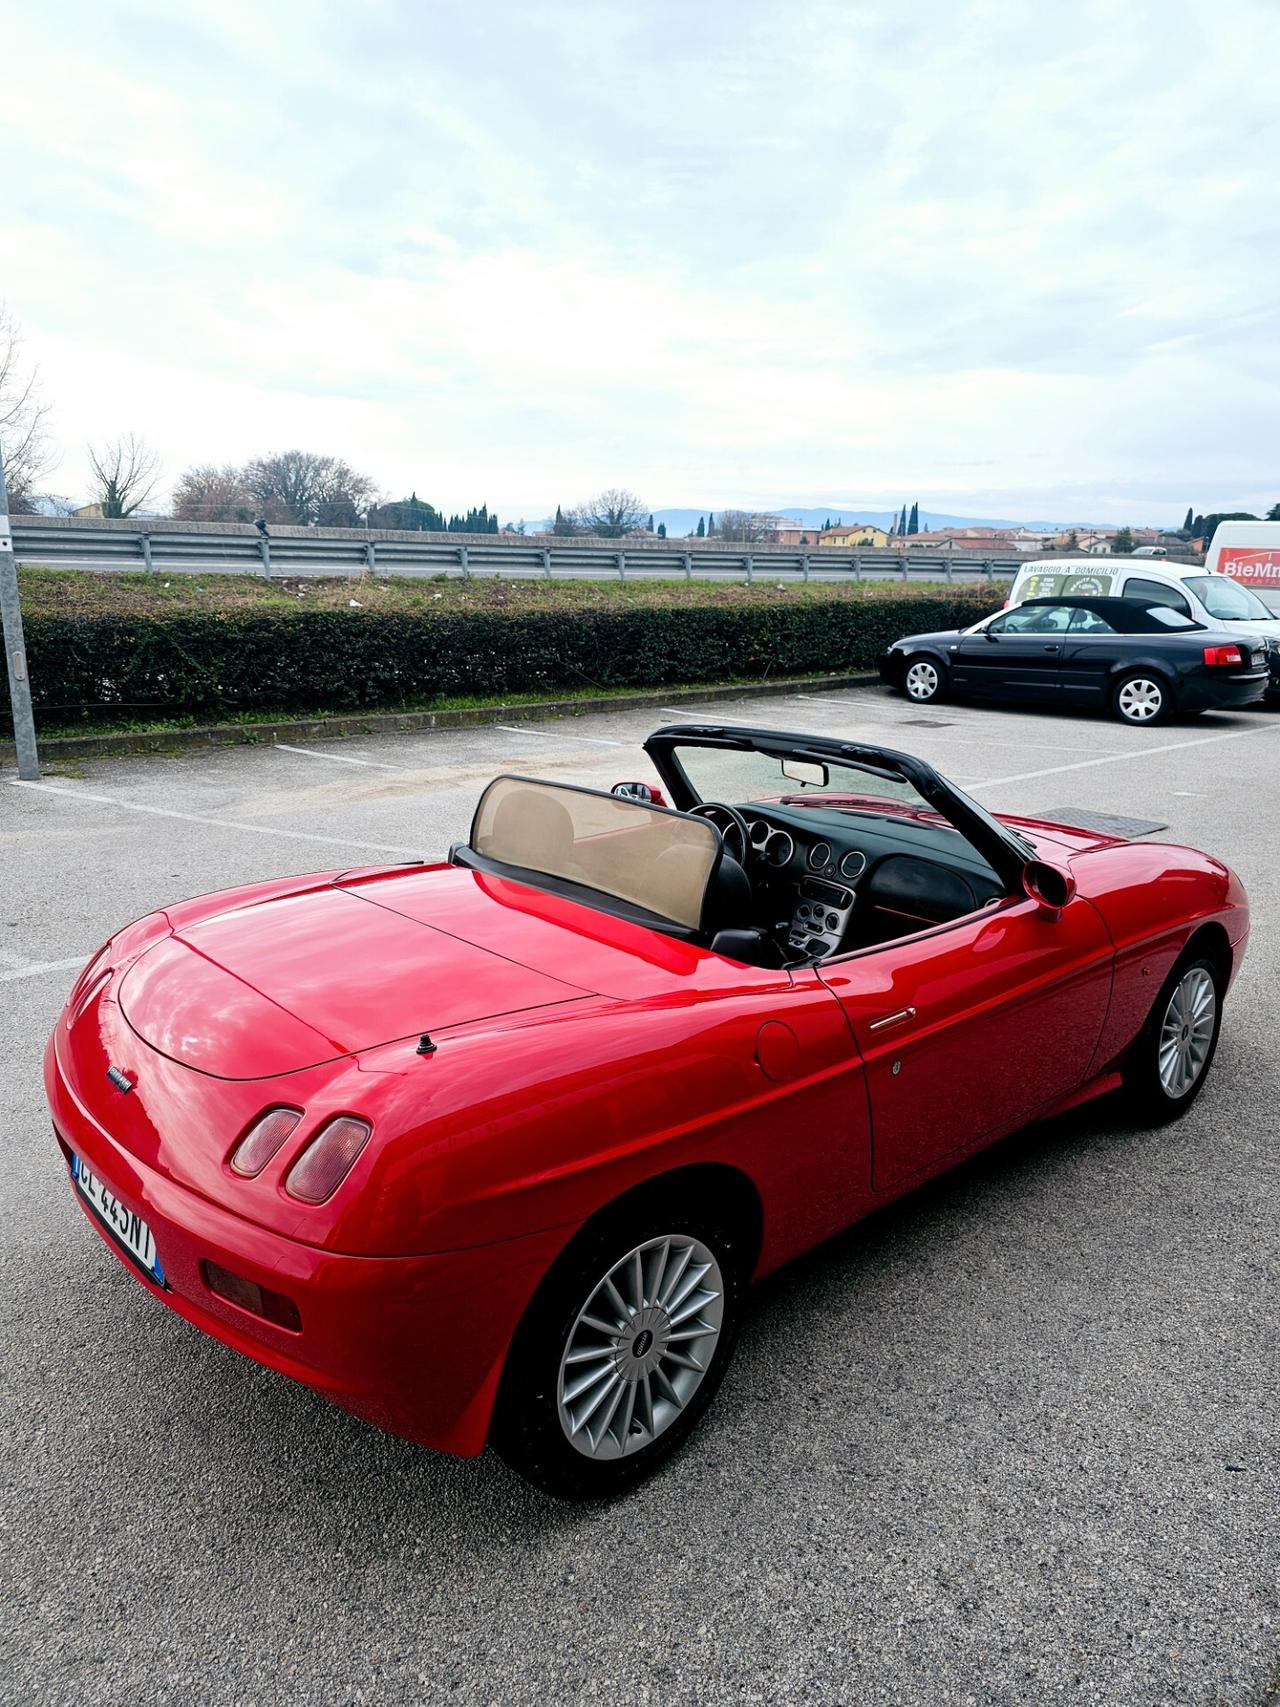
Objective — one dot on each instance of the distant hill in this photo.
(681, 522)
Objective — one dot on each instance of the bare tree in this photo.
(750, 527)
(611, 513)
(210, 494)
(300, 486)
(23, 414)
(125, 475)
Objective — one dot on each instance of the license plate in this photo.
(125, 1225)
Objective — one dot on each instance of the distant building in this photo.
(859, 534)
(89, 512)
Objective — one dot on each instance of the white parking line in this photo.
(338, 758)
(555, 735)
(1119, 758)
(37, 967)
(217, 823)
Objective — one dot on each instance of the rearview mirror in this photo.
(1051, 887)
(799, 770)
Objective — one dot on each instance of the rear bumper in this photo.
(414, 1344)
(1213, 692)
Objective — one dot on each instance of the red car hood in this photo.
(258, 990)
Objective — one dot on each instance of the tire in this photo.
(1157, 1093)
(924, 679)
(545, 1423)
(1142, 698)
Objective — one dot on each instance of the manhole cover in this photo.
(1103, 822)
(928, 723)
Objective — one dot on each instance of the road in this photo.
(1012, 1441)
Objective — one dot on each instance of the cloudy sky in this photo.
(1016, 259)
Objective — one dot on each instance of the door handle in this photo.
(892, 1019)
(1055, 647)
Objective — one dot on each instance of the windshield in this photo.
(1226, 600)
(737, 778)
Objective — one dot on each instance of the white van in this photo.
(1249, 552)
(1208, 595)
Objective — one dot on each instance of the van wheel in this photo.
(1142, 698)
(924, 680)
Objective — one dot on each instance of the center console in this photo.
(821, 914)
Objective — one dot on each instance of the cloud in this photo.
(729, 253)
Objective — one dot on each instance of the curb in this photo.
(405, 722)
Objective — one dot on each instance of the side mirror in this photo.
(991, 635)
(1051, 887)
(638, 791)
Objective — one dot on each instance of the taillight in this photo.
(262, 1140)
(328, 1159)
(89, 992)
(1223, 655)
(91, 966)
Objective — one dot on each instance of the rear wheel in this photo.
(1141, 697)
(622, 1351)
(924, 680)
(1171, 1059)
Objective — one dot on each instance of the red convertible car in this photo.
(489, 1150)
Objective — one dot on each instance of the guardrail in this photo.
(229, 548)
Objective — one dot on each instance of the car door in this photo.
(968, 1030)
(1016, 656)
(1091, 652)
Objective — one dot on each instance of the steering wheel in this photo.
(733, 829)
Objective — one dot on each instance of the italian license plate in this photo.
(125, 1225)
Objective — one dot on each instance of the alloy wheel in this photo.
(1141, 700)
(922, 680)
(640, 1346)
(1186, 1032)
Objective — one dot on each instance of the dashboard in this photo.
(812, 868)
(825, 892)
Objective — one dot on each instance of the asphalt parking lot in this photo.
(1012, 1441)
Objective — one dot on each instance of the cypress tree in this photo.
(662, 530)
(711, 524)
(913, 521)
(1190, 521)
(702, 528)
(650, 521)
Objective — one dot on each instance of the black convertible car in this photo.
(1141, 661)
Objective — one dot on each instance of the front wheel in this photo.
(621, 1352)
(1173, 1054)
(1141, 698)
(924, 680)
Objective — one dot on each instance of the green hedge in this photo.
(94, 668)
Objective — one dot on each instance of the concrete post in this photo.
(622, 565)
(857, 567)
(145, 541)
(15, 651)
(804, 565)
(371, 555)
(688, 566)
(264, 551)
(464, 562)
(546, 565)
(750, 562)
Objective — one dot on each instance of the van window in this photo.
(1226, 600)
(1157, 592)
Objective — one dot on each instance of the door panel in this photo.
(1088, 665)
(967, 1031)
(1008, 666)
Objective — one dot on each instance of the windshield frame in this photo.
(1002, 849)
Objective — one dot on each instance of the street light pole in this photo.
(15, 652)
